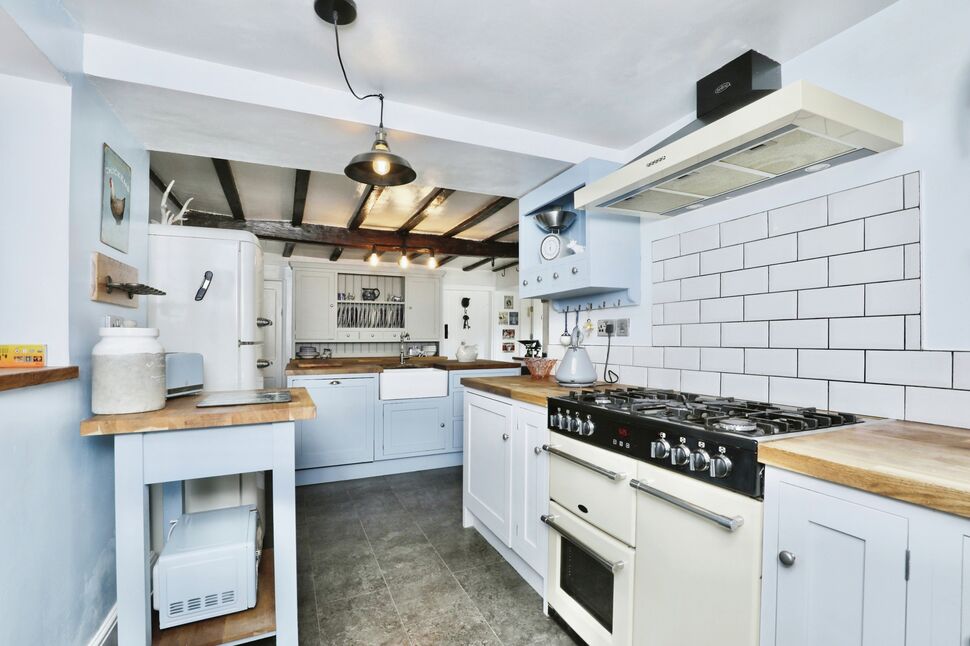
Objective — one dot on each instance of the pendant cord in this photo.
(378, 95)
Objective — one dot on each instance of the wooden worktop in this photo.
(11, 378)
(359, 365)
(923, 464)
(181, 414)
(523, 389)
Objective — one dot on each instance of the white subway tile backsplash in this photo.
(700, 239)
(656, 272)
(724, 259)
(682, 267)
(872, 199)
(631, 375)
(868, 333)
(866, 266)
(657, 314)
(700, 287)
(911, 190)
(798, 217)
(909, 368)
(961, 370)
(745, 281)
(683, 358)
(744, 335)
(746, 229)
(831, 302)
(682, 312)
(665, 335)
(701, 335)
(867, 399)
(798, 392)
(911, 262)
(722, 359)
(771, 251)
(914, 333)
(705, 383)
(621, 355)
(744, 387)
(665, 248)
(898, 297)
(716, 310)
(666, 292)
(759, 361)
(892, 229)
(808, 333)
(938, 406)
(847, 365)
(648, 357)
(831, 240)
(663, 378)
(805, 274)
(766, 307)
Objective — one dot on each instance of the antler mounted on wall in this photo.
(168, 215)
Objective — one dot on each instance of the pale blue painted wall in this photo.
(58, 582)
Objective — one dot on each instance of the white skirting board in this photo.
(377, 468)
(106, 634)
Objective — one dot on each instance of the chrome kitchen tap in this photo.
(404, 337)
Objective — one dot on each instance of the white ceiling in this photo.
(607, 73)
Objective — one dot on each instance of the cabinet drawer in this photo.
(348, 335)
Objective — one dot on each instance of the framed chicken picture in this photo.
(115, 201)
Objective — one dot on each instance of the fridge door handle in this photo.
(242, 343)
(204, 287)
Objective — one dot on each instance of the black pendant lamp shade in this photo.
(379, 166)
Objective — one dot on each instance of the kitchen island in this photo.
(182, 442)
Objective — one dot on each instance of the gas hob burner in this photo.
(736, 425)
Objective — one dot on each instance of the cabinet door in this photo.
(488, 431)
(314, 317)
(530, 486)
(965, 618)
(423, 315)
(847, 584)
(343, 431)
(414, 427)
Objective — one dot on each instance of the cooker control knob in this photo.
(679, 455)
(659, 449)
(699, 460)
(563, 420)
(554, 419)
(720, 466)
(575, 425)
(588, 426)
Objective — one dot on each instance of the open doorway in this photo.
(476, 330)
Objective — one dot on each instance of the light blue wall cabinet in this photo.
(415, 427)
(605, 273)
(343, 431)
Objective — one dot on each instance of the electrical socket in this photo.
(601, 326)
(113, 321)
(622, 327)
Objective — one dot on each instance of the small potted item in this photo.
(467, 353)
(127, 371)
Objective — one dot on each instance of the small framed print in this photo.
(509, 302)
(513, 318)
(503, 318)
(508, 347)
(115, 200)
(508, 333)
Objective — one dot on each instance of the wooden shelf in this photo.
(259, 621)
(11, 378)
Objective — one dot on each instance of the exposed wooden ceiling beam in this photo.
(366, 202)
(335, 254)
(476, 265)
(506, 266)
(299, 195)
(501, 234)
(434, 199)
(228, 182)
(161, 185)
(359, 239)
(288, 249)
(486, 212)
(444, 261)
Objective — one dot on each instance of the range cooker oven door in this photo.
(590, 579)
(698, 580)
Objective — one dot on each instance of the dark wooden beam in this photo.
(359, 239)
(366, 202)
(161, 185)
(299, 195)
(485, 213)
(335, 254)
(501, 234)
(506, 266)
(288, 249)
(476, 265)
(224, 171)
(444, 261)
(434, 199)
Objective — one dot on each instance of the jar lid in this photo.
(129, 332)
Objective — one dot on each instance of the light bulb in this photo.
(373, 259)
(403, 262)
(432, 262)
(381, 166)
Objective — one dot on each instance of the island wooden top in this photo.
(523, 389)
(923, 464)
(369, 365)
(11, 378)
(181, 414)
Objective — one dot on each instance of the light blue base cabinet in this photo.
(343, 431)
(415, 427)
(457, 392)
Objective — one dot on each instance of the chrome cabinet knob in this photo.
(699, 460)
(679, 455)
(575, 270)
(524, 283)
(537, 450)
(787, 558)
(659, 449)
(538, 279)
(506, 436)
(442, 425)
(263, 363)
(720, 466)
(555, 275)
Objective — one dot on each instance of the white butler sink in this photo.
(413, 383)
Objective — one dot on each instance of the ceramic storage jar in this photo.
(128, 371)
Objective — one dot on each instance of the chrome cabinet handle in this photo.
(727, 522)
(612, 566)
(506, 436)
(612, 475)
(263, 322)
(787, 558)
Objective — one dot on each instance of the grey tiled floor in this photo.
(386, 561)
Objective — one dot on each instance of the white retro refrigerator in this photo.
(213, 284)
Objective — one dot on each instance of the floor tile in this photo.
(341, 579)
(430, 596)
(452, 628)
(462, 548)
(367, 620)
(410, 563)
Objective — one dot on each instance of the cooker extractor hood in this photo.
(798, 129)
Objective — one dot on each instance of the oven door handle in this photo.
(730, 523)
(606, 473)
(612, 566)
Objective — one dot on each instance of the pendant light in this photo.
(378, 166)
(403, 262)
(373, 258)
(432, 261)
